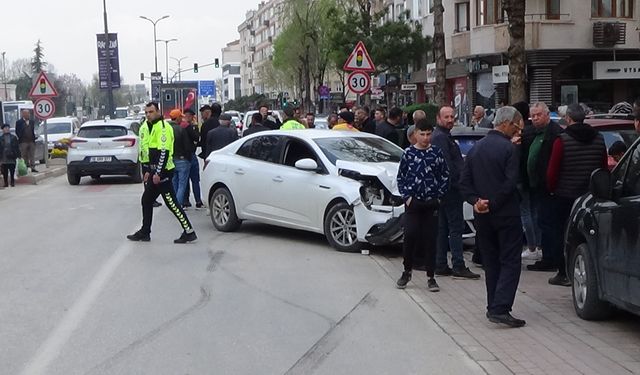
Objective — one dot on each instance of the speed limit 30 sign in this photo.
(44, 108)
(359, 82)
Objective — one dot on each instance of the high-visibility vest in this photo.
(160, 138)
(292, 125)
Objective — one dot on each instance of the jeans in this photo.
(450, 228)
(181, 178)
(529, 217)
(554, 214)
(194, 176)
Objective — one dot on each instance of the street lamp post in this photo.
(108, 48)
(179, 69)
(155, 45)
(166, 51)
(4, 77)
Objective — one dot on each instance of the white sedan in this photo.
(340, 184)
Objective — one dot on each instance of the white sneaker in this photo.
(532, 255)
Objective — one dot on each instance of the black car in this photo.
(602, 241)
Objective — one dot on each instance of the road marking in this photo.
(51, 348)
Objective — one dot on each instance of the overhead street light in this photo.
(155, 46)
(179, 61)
(166, 51)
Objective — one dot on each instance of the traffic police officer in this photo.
(156, 157)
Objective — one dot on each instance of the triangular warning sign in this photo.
(359, 60)
(43, 87)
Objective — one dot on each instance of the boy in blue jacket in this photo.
(423, 179)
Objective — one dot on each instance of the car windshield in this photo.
(359, 149)
(56, 128)
(105, 131)
(626, 136)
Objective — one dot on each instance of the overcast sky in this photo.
(67, 29)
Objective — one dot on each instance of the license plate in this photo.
(100, 159)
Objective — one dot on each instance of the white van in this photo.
(59, 128)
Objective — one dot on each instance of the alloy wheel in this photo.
(343, 227)
(580, 281)
(221, 209)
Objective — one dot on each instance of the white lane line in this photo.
(50, 349)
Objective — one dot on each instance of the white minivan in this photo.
(59, 128)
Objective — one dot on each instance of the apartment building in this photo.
(231, 76)
(257, 33)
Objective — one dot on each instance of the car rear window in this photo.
(105, 131)
(626, 136)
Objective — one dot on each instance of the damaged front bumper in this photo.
(379, 225)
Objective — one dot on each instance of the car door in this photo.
(253, 178)
(301, 195)
(619, 233)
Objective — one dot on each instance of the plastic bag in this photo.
(22, 167)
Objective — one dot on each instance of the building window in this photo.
(553, 9)
(612, 8)
(462, 17)
(487, 11)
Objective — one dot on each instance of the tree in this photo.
(439, 51)
(517, 57)
(37, 63)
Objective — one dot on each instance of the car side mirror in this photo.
(600, 184)
(307, 165)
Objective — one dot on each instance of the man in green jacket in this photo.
(156, 157)
(290, 122)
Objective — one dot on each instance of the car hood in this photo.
(385, 172)
(57, 137)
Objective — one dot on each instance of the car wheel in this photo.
(223, 211)
(137, 175)
(585, 287)
(340, 228)
(74, 179)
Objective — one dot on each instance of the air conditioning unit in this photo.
(249, 65)
(608, 34)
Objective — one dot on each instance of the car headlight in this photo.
(371, 195)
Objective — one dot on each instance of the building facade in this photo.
(231, 75)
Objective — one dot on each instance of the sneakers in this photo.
(541, 266)
(444, 271)
(33, 170)
(532, 255)
(506, 319)
(199, 205)
(403, 280)
(561, 280)
(186, 238)
(432, 285)
(464, 273)
(157, 204)
(139, 236)
(186, 205)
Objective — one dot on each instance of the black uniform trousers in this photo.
(500, 240)
(420, 234)
(165, 189)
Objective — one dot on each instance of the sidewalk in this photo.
(554, 341)
(57, 167)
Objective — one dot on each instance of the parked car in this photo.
(342, 185)
(104, 147)
(602, 241)
(59, 128)
(247, 118)
(321, 122)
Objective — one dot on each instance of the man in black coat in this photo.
(489, 183)
(221, 136)
(268, 120)
(256, 125)
(388, 128)
(26, 133)
(537, 144)
(209, 124)
(365, 123)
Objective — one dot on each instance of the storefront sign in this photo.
(431, 73)
(500, 74)
(616, 70)
(409, 87)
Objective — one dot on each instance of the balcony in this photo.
(460, 44)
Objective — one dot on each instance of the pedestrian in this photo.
(411, 135)
(181, 156)
(451, 218)
(9, 152)
(537, 144)
(345, 122)
(576, 154)
(194, 170)
(479, 119)
(208, 125)
(310, 118)
(268, 119)
(616, 151)
(290, 122)
(26, 133)
(364, 122)
(332, 120)
(156, 155)
(388, 128)
(423, 179)
(256, 125)
(221, 136)
(489, 183)
(636, 117)
(379, 116)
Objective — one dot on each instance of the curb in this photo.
(33, 179)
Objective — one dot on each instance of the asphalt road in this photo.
(78, 298)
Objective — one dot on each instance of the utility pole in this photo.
(108, 46)
(179, 70)
(166, 51)
(4, 76)
(155, 45)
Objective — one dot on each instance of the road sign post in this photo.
(360, 64)
(44, 107)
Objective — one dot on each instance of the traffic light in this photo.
(142, 76)
(359, 58)
(195, 67)
(216, 62)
